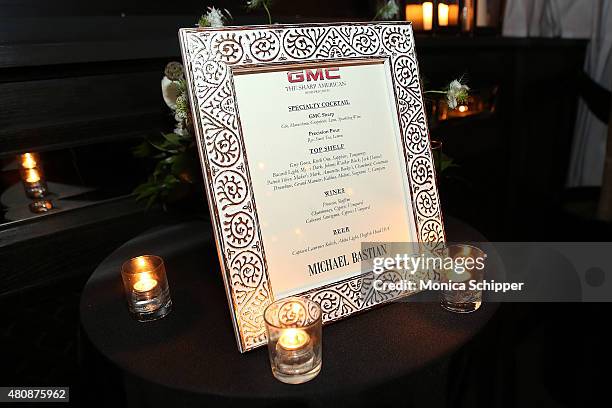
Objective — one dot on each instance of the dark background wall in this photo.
(315, 8)
(53, 96)
(85, 76)
(76, 73)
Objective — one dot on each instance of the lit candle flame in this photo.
(145, 282)
(293, 339)
(28, 161)
(32, 176)
(462, 108)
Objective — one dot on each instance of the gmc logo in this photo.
(319, 74)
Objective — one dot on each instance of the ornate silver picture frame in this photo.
(211, 57)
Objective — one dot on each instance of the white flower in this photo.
(214, 17)
(170, 91)
(180, 129)
(457, 93)
(388, 11)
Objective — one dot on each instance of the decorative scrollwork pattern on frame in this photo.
(209, 55)
(265, 46)
(230, 188)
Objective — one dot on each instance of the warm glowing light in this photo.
(32, 176)
(145, 283)
(141, 262)
(298, 231)
(427, 15)
(293, 339)
(261, 165)
(443, 14)
(462, 108)
(45, 204)
(453, 14)
(28, 161)
(414, 14)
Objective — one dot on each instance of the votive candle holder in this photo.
(146, 287)
(294, 332)
(34, 182)
(468, 266)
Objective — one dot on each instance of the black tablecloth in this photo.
(193, 350)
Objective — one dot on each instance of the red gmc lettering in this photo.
(329, 73)
(294, 77)
(312, 75)
(318, 74)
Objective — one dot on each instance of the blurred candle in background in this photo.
(443, 14)
(29, 160)
(32, 175)
(414, 14)
(427, 15)
(453, 14)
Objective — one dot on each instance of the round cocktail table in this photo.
(190, 358)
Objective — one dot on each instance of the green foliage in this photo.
(176, 166)
(446, 163)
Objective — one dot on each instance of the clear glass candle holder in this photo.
(294, 339)
(34, 182)
(468, 266)
(146, 287)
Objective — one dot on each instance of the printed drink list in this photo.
(327, 168)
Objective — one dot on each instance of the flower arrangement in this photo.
(177, 169)
(457, 93)
(214, 17)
